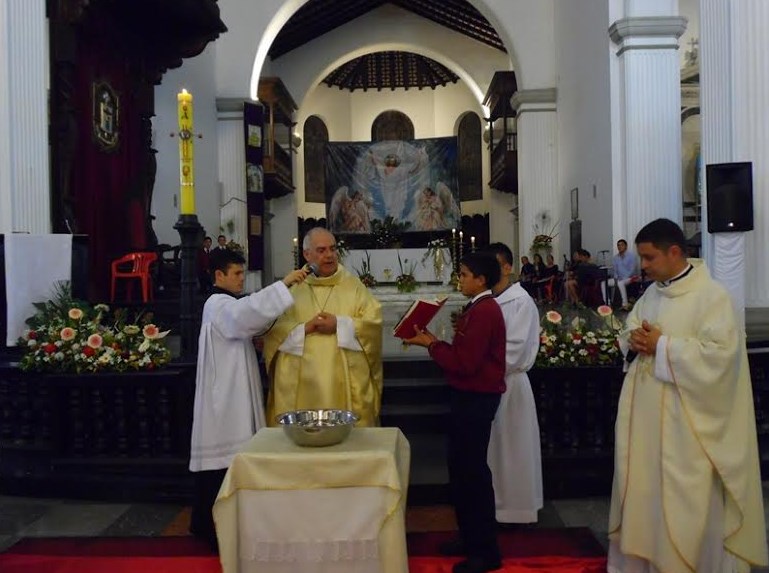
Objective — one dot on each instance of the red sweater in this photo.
(475, 359)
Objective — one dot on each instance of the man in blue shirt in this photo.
(625, 270)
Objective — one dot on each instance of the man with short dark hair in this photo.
(687, 489)
(228, 391)
(625, 266)
(474, 365)
(515, 456)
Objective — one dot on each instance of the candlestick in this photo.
(186, 153)
(461, 245)
(295, 251)
(453, 233)
(472, 244)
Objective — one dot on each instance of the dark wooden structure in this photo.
(503, 142)
(106, 58)
(278, 137)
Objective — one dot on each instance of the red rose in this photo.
(88, 351)
(49, 348)
(32, 335)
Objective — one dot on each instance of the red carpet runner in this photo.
(572, 550)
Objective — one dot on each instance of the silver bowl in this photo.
(317, 428)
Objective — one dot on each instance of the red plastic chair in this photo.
(140, 269)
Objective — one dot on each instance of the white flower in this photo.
(131, 329)
(101, 307)
(145, 345)
(59, 356)
(32, 343)
(76, 347)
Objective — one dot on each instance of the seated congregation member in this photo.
(474, 365)
(527, 276)
(326, 350)
(515, 456)
(625, 266)
(583, 273)
(228, 391)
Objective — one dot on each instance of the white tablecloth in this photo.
(287, 509)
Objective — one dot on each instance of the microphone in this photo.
(630, 356)
(312, 268)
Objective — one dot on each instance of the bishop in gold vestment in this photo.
(326, 350)
(687, 492)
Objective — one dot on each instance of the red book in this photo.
(420, 313)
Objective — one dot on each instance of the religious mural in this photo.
(412, 182)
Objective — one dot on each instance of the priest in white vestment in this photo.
(228, 406)
(687, 489)
(514, 454)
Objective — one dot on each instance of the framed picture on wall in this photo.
(575, 204)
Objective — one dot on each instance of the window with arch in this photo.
(315, 140)
(392, 125)
(469, 157)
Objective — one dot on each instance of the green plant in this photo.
(406, 281)
(364, 272)
(387, 233)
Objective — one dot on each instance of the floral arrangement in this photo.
(387, 233)
(66, 335)
(406, 281)
(582, 338)
(364, 272)
(544, 233)
(234, 246)
(436, 250)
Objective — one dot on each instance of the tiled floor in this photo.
(36, 517)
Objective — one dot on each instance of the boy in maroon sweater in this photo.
(474, 364)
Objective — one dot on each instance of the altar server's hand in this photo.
(325, 323)
(295, 277)
(422, 338)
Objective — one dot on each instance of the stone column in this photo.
(25, 204)
(734, 88)
(648, 161)
(232, 177)
(538, 168)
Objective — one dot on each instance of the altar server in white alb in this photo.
(687, 489)
(514, 454)
(228, 391)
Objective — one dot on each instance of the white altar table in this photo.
(283, 508)
(395, 304)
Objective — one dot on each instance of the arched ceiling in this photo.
(318, 17)
(390, 70)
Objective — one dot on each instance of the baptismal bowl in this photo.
(317, 428)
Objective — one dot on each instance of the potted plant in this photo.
(364, 272)
(406, 281)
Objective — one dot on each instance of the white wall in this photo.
(196, 75)
(584, 119)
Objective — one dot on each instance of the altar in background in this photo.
(385, 267)
(395, 304)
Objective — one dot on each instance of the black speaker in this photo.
(730, 197)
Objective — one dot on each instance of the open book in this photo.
(420, 313)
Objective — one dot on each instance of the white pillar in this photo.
(734, 87)
(25, 204)
(649, 115)
(232, 177)
(538, 167)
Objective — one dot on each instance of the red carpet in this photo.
(572, 550)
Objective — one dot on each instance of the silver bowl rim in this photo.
(352, 415)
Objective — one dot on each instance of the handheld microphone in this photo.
(312, 268)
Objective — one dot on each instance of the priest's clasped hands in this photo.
(644, 340)
(322, 323)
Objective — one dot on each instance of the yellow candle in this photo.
(186, 153)
(461, 234)
(472, 242)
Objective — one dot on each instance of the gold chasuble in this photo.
(686, 470)
(327, 375)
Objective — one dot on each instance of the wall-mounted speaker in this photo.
(730, 197)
